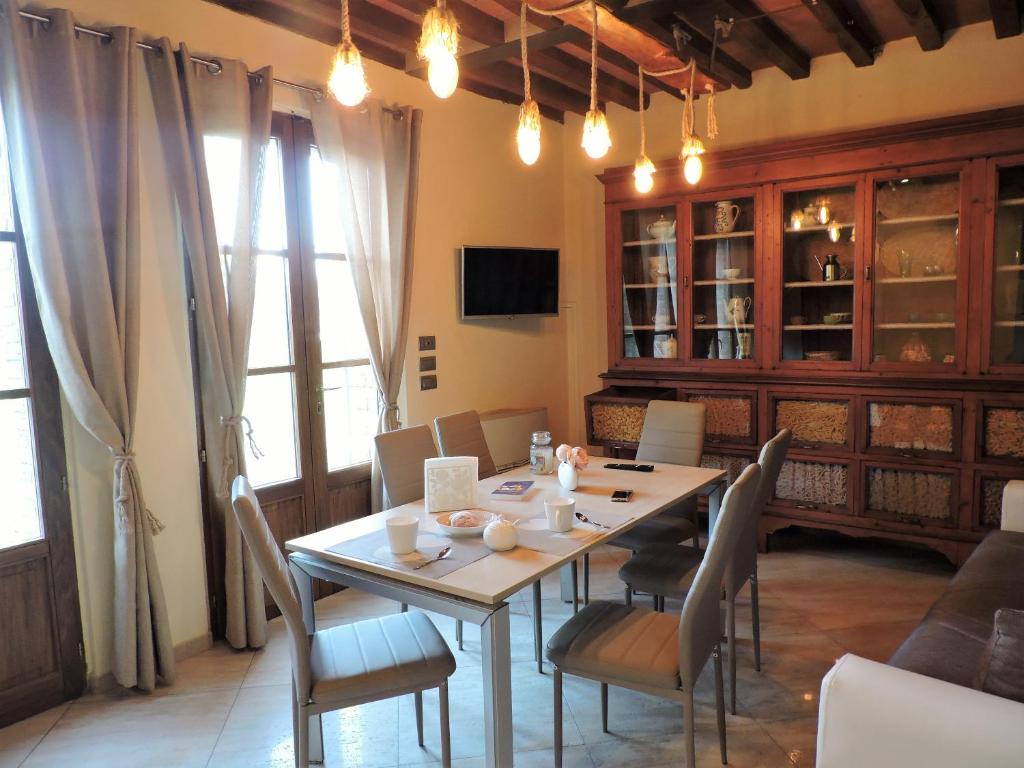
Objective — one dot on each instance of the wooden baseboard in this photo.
(106, 683)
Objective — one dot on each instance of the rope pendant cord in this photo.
(523, 52)
(593, 55)
(346, 35)
(643, 125)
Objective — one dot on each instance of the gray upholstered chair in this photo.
(652, 652)
(461, 434)
(400, 455)
(351, 664)
(664, 569)
(673, 433)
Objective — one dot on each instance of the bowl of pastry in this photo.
(464, 522)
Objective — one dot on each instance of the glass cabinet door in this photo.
(649, 286)
(916, 260)
(723, 272)
(818, 285)
(1007, 339)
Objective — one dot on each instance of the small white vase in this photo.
(568, 476)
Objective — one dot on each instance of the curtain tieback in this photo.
(124, 466)
(242, 427)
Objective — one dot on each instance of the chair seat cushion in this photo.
(662, 569)
(614, 642)
(660, 530)
(376, 658)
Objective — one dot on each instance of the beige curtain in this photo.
(70, 114)
(231, 110)
(377, 150)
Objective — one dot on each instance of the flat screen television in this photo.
(509, 282)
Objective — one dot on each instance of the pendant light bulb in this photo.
(347, 82)
(438, 46)
(693, 169)
(643, 175)
(528, 132)
(834, 231)
(796, 219)
(824, 214)
(597, 139)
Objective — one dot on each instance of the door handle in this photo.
(867, 272)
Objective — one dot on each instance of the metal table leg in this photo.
(305, 584)
(497, 680)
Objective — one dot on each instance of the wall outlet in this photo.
(428, 382)
(428, 343)
(428, 363)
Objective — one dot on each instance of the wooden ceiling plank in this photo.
(509, 77)
(775, 44)
(473, 23)
(923, 22)
(385, 27)
(490, 92)
(853, 40)
(724, 67)
(1006, 17)
(572, 72)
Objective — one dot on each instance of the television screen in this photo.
(509, 282)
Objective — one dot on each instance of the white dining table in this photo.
(476, 592)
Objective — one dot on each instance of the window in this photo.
(310, 392)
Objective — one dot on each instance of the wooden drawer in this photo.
(812, 484)
(1001, 431)
(733, 462)
(731, 415)
(912, 427)
(814, 420)
(987, 513)
(911, 494)
(615, 415)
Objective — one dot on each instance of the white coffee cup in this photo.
(402, 531)
(559, 511)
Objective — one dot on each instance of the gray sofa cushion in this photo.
(1002, 670)
(950, 643)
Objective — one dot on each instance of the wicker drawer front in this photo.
(618, 421)
(813, 484)
(912, 496)
(729, 418)
(815, 422)
(906, 428)
(990, 502)
(733, 465)
(1003, 432)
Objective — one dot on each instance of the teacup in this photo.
(559, 512)
(402, 531)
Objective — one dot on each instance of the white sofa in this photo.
(876, 715)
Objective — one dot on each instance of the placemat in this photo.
(534, 533)
(373, 548)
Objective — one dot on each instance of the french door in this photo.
(41, 654)
(310, 394)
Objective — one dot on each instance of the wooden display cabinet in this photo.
(899, 368)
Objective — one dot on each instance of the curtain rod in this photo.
(212, 65)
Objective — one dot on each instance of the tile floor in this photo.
(822, 596)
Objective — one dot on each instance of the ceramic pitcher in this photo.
(726, 214)
(736, 310)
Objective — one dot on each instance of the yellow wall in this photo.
(472, 191)
(972, 72)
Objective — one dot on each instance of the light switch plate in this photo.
(428, 382)
(428, 343)
(428, 363)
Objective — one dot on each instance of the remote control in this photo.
(631, 467)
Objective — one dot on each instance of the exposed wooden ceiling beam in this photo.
(1006, 17)
(509, 77)
(570, 71)
(694, 43)
(469, 83)
(473, 23)
(925, 24)
(852, 38)
(768, 39)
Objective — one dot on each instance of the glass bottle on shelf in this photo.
(723, 274)
(1007, 345)
(818, 286)
(917, 245)
(649, 288)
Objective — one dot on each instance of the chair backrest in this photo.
(700, 624)
(278, 578)
(673, 433)
(400, 455)
(744, 563)
(462, 435)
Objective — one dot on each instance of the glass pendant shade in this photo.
(528, 132)
(347, 82)
(693, 169)
(643, 175)
(438, 46)
(597, 139)
(443, 74)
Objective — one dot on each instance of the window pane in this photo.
(12, 354)
(270, 343)
(6, 205)
(273, 234)
(325, 183)
(223, 164)
(342, 336)
(270, 407)
(350, 414)
(20, 521)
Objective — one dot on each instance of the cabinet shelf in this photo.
(905, 220)
(658, 328)
(819, 327)
(1012, 202)
(637, 243)
(1009, 323)
(649, 285)
(725, 235)
(914, 326)
(818, 284)
(1010, 268)
(917, 280)
(813, 228)
(723, 327)
(723, 281)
